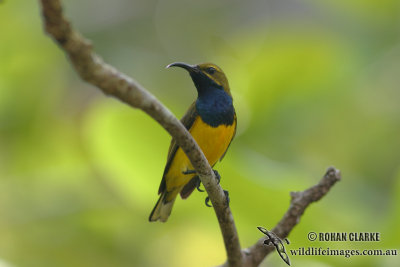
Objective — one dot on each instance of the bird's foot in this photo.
(217, 176)
(216, 173)
(226, 197)
(198, 186)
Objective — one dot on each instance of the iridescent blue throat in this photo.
(215, 106)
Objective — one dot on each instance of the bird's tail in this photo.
(163, 208)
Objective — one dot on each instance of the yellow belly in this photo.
(212, 141)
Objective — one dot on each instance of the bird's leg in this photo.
(226, 197)
(189, 172)
(216, 173)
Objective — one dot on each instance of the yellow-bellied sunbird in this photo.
(211, 120)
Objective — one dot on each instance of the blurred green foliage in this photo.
(315, 83)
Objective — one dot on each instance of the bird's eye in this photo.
(210, 70)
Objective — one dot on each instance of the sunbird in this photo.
(211, 120)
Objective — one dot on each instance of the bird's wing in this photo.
(187, 121)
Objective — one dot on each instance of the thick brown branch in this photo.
(92, 69)
(254, 255)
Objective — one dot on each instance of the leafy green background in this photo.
(315, 83)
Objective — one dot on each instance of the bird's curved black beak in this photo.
(189, 68)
